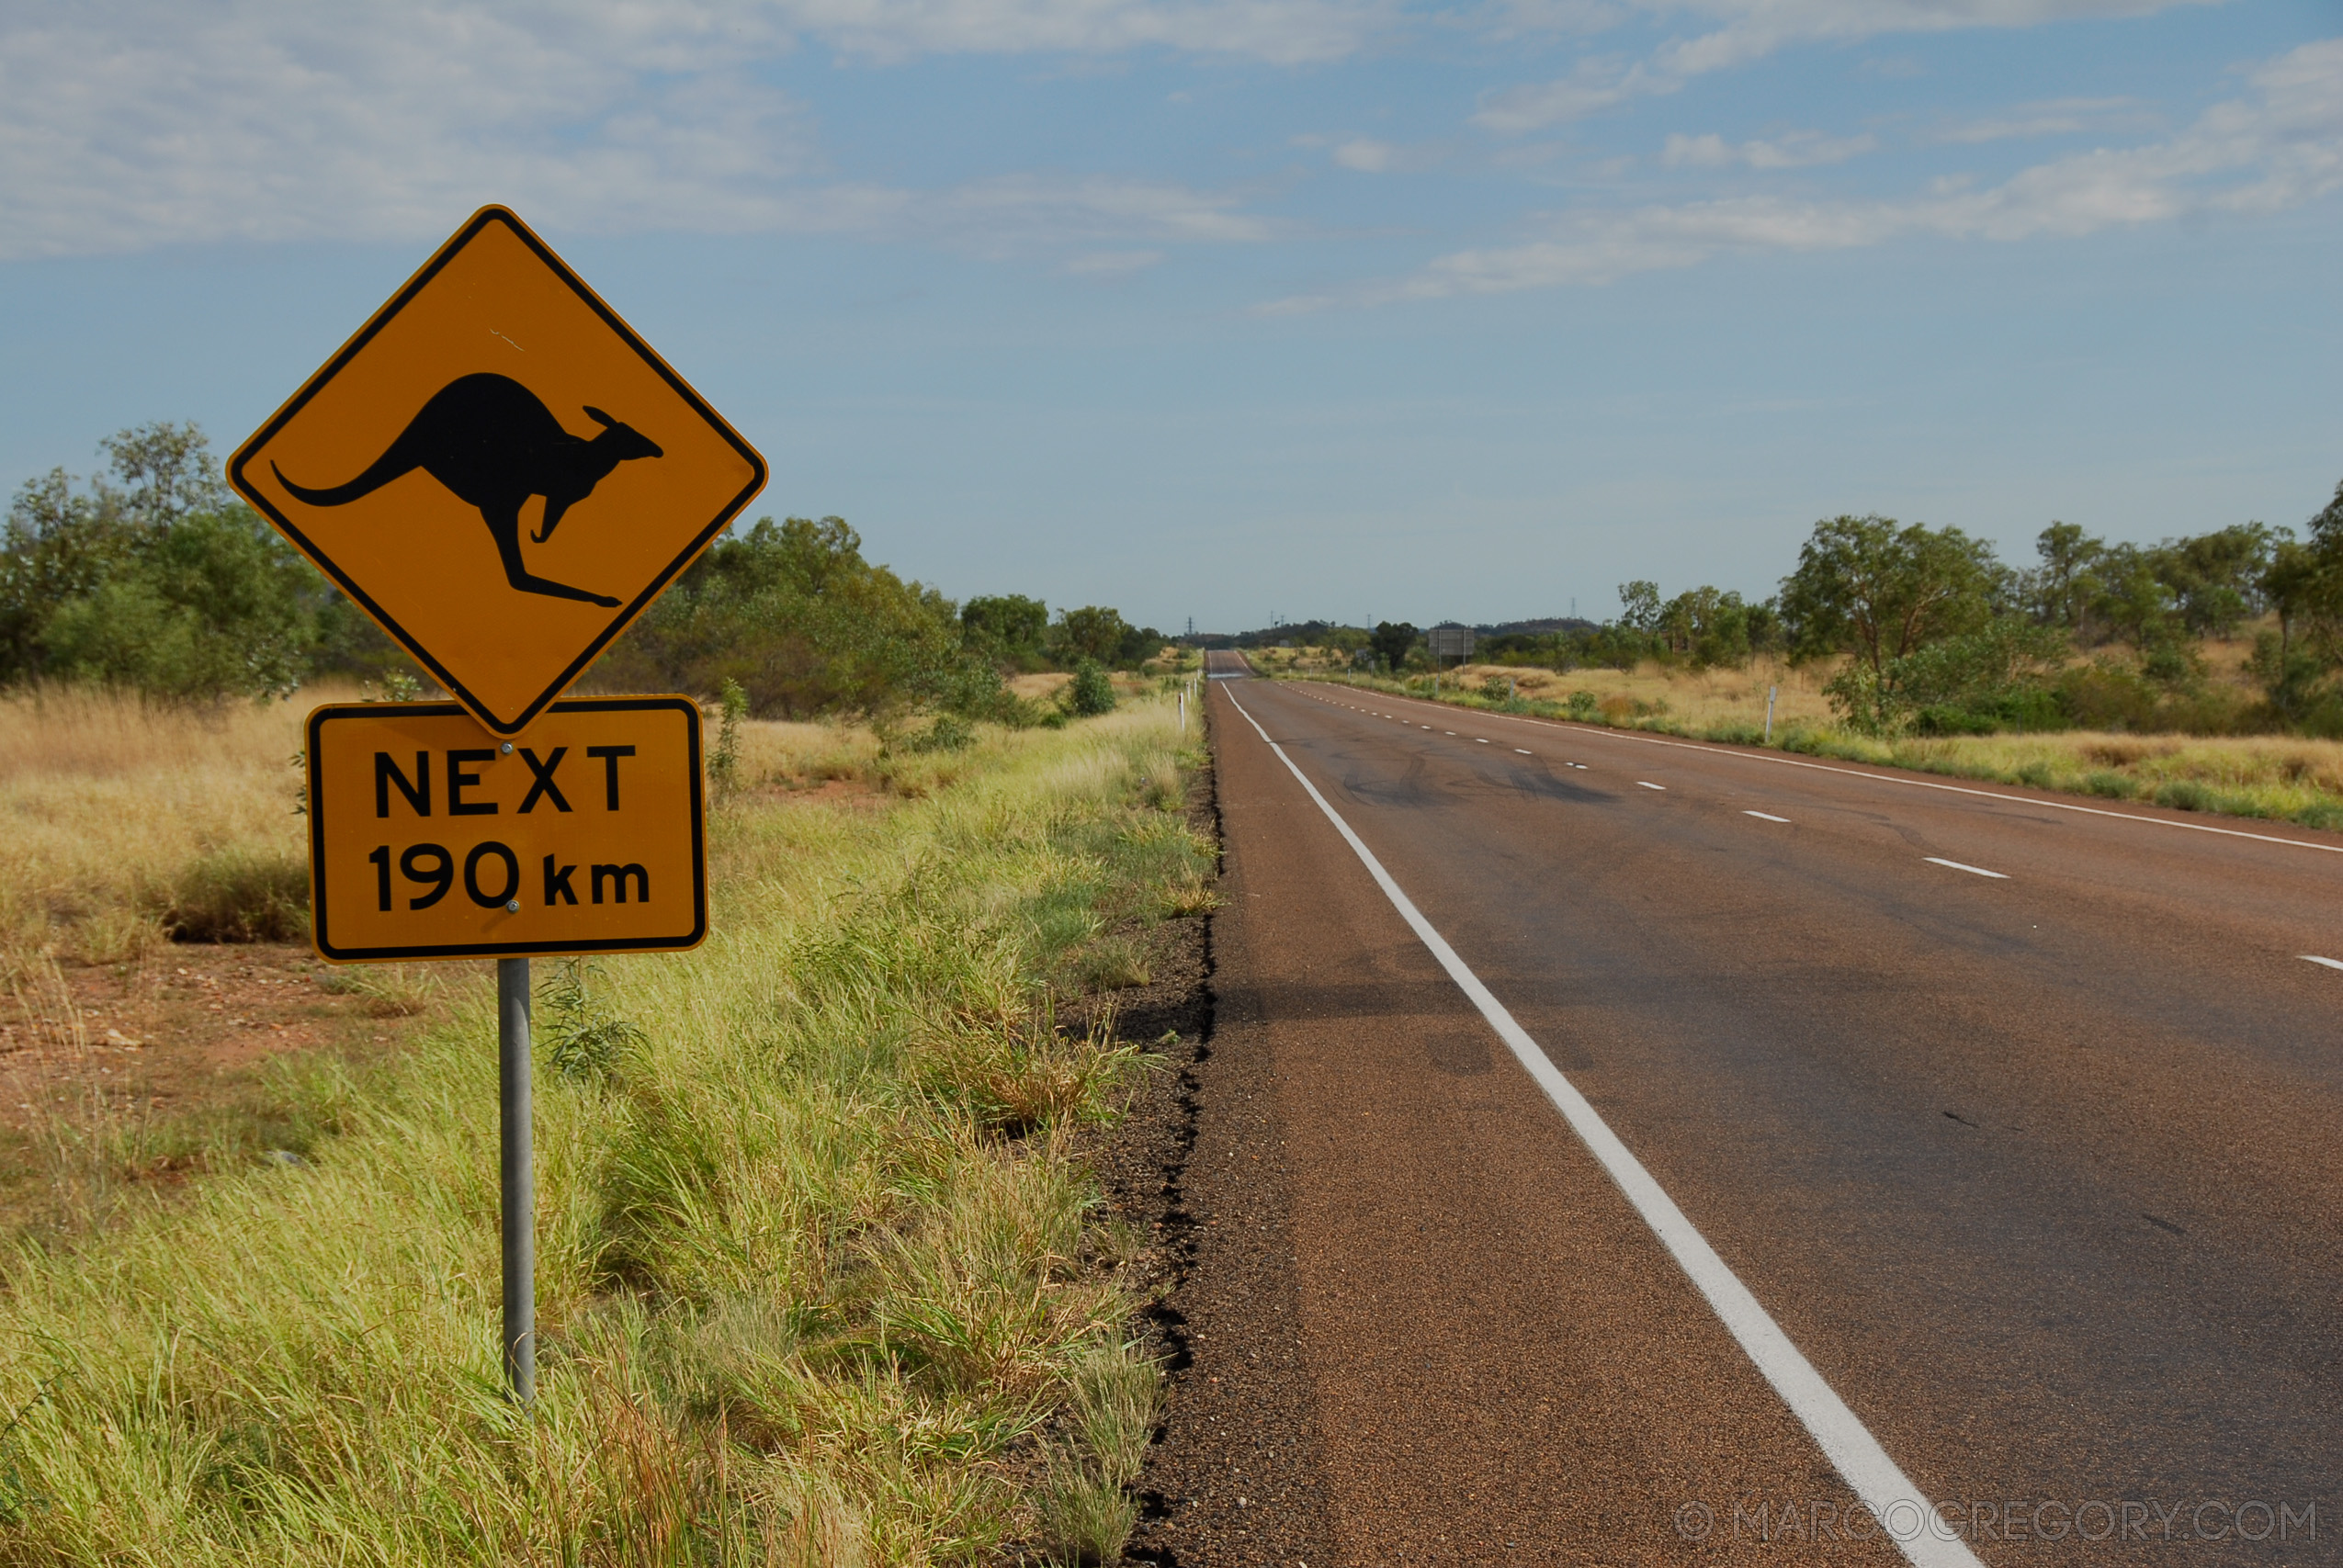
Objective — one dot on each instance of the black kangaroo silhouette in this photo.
(494, 443)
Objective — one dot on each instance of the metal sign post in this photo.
(1771, 693)
(594, 846)
(519, 1205)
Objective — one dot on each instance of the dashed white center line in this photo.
(1648, 784)
(1977, 870)
(1767, 816)
(2314, 958)
(1443, 732)
(1524, 750)
(1478, 738)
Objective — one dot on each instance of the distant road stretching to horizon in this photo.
(2014, 1126)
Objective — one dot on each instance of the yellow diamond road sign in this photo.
(498, 471)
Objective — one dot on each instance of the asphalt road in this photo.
(2039, 1170)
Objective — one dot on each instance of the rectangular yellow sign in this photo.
(431, 838)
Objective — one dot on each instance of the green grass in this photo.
(814, 1229)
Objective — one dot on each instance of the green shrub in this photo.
(2321, 813)
(1944, 720)
(582, 1041)
(240, 894)
(795, 614)
(1090, 693)
(949, 732)
(2185, 795)
(724, 766)
(1583, 706)
(2113, 786)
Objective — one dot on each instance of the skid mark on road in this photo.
(1749, 756)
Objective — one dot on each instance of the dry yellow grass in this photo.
(108, 805)
(777, 753)
(1701, 698)
(812, 1235)
(104, 801)
(1041, 686)
(2278, 776)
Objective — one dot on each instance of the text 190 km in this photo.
(492, 877)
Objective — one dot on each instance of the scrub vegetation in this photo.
(122, 823)
(125, 823)
(2281, 777)
(821, 1275)
(2204, 672)
(152, 577)
(1922, 631)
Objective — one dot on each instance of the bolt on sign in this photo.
(430, 839)
(498, 471)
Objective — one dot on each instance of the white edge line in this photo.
(1972, 870)
(1768, 816)
(1845, 1440)
(2314, 958)
(1750, 756)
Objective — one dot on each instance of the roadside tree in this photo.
(156, 578)
(1092, 632)
(1391, 641)
(1883, 591)
(1007, 626)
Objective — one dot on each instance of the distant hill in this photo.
(1302, 633)
(1536, 628)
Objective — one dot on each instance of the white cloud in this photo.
(1749, 29)
(1022, 213)
(1368, 157)
(2278, 148)
(1792, 150)
(1745, 30)
(129, 123)
(1593, 85)
(2060, 116)
(126, 124)
(1281, 32)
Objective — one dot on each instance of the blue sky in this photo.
(1242, 307)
